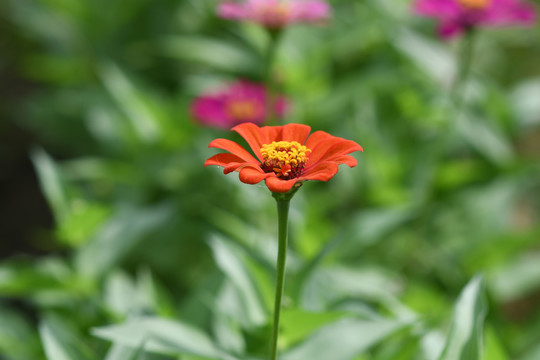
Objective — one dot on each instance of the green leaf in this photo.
(120, 293)
(119, 352)
(60, 343)
(370, 226)
(48, 282)
(327, 286)
(161, 336)
(77, 218)
(228, 333)
(465, 340)
(494, 348)
(516, 279)
(532, 354)
(127, 297)
(429, 55)
(296, 324)
(343, 340)
(524, 99)
(117, 237)
(84, 219)
(51, 183)
(488, 140)
(231, 261)
(432, 344)
(204, 50)
(143, 117)
(18, 337)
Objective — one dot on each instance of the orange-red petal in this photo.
(323, 171)
(318, 136)
(345, 159)
(295, 132)
(239, 166)
(343, 148)
(254, 137)
(251, 175)
(233, 148)
(330, 148)
(276, 184)
(271, 133)
(223, 159)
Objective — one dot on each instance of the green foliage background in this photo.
(153, 256)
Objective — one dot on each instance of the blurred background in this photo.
(108, 214)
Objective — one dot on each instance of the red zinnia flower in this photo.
(284, 155)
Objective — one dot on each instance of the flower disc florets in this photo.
(285, 158)
(276, 14)
(475, 4)
(244, 110)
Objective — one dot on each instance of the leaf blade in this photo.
(465, 339)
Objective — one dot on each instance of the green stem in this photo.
(466, 53)
(270, 56)
(435, 156)
(283, 219)
(457, 97)
(282, 200)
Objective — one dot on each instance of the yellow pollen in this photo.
(282, 9)
(243, 110)
(277, 13)
(285, 158)
(475, 4)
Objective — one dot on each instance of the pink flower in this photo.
(275, 14)
(456, 16)
(240, 102)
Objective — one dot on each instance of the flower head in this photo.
(238, 103)
(456, 16)
(275, 14)
(283, 155)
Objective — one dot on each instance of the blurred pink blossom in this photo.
(275, 14)
(457, 16)
(238, 103)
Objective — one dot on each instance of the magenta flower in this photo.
(457, 16)
(275, 14)
(238, 103)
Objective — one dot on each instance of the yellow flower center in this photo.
(285, 158)
(243, 110)
(274, 13)
(282, 9)
(475, 4)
